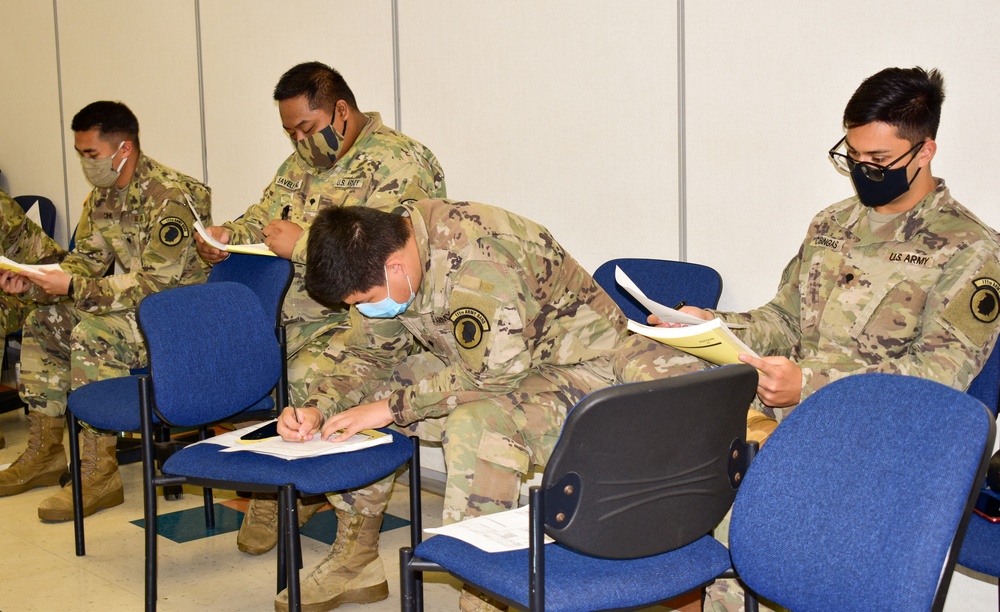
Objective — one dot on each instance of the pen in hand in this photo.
(680, 304)
(285, 212)
(295, 411)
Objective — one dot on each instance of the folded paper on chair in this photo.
(13, 266)
(499, 532)
(316, 447)
(248, 249)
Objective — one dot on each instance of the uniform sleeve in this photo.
(372, 349)
(773, 329)
(248, 228)
(167, 254)
(409, 182)
(489, 316)
(957, 331)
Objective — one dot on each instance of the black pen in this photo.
(680, 304)
(284, 212)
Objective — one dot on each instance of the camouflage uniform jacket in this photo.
(22, 240)
(381, 169)
(918, 296)
(149, 232)
(500, 299)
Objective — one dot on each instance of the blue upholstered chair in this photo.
(664, 281)
(860, 498)
(641, 474)
(981, 548)
(46, 211)
(114, 406)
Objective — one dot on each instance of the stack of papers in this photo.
(13, 266)
(249, 249)
(277, 447)
(493, 533)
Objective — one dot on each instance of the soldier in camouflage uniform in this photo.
(21, 240)
(497, 328)
(900, 278)
(137, 216)
(343, 157)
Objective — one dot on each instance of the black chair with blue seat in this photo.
(115, 406)
(981, 549)
(662, 280)
(641, 474)
(861, 497)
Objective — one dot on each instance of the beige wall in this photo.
(563, 111)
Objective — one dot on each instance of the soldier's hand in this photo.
(53, 282)
(691, 310)
(353, 420)
(12, 282)
(779, 382)
(299, 424)
(208, 252)
(280, 237)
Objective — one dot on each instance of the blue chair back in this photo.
(268, 277)
(46, 211)
(861, 495)
(208, 358)
(985, 386)
(664, 281)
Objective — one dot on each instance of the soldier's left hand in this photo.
(353, 420)
(280, 237)
(54, 282)
(12, 282)
(780, 380)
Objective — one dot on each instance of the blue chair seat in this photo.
(981, 548)
(574, 581)
(309, 475)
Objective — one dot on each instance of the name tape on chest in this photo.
(915, 259)
(288, 183)
(349, 183)
(830, 243)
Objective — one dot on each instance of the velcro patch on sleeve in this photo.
(976, 309)
(473, 320)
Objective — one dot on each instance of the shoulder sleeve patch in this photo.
(976, 308)
(472, 319)
(173, 230)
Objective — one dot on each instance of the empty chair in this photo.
(860, 498)
(641, 474)
(664, 281)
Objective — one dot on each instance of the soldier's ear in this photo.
(927, 152)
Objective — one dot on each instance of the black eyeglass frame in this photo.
(873, 171)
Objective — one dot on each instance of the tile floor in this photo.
(39, 570)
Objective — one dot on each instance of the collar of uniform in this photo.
(111, 195)
(373, 125)
(903, 228)
(424, 301)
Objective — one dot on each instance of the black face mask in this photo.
(878, 193)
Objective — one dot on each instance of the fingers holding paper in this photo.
(780, 380)
(353, 420)
(13, 283)
(299, 424)
(280, 236)
(690, 310)
(208, 252)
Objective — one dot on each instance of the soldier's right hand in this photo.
(691, 310)
(299, 424)
(208, 252)
(13, 283)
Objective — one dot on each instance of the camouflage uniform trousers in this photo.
(13, 312)
(63, 348)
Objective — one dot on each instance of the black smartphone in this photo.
(262, 433)
(988, 507)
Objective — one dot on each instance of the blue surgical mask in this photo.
(387, 308)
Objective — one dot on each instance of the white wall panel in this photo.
(767, 84)
(564, 112)
(246, 47)
(31, 155)
(142, 53)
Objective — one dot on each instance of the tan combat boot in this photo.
(350, 573)
(43, 462)
(102, 484)
(472, 600)
(259, 529)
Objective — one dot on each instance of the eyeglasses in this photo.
(873, 171)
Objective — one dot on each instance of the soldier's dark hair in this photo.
(348, 247)
(908, 99)
(113, 121)
(320, 84)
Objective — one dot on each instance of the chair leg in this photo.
(289, 524)
(410, 583)
(209, 508)
(749, 600)
(74, 466)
